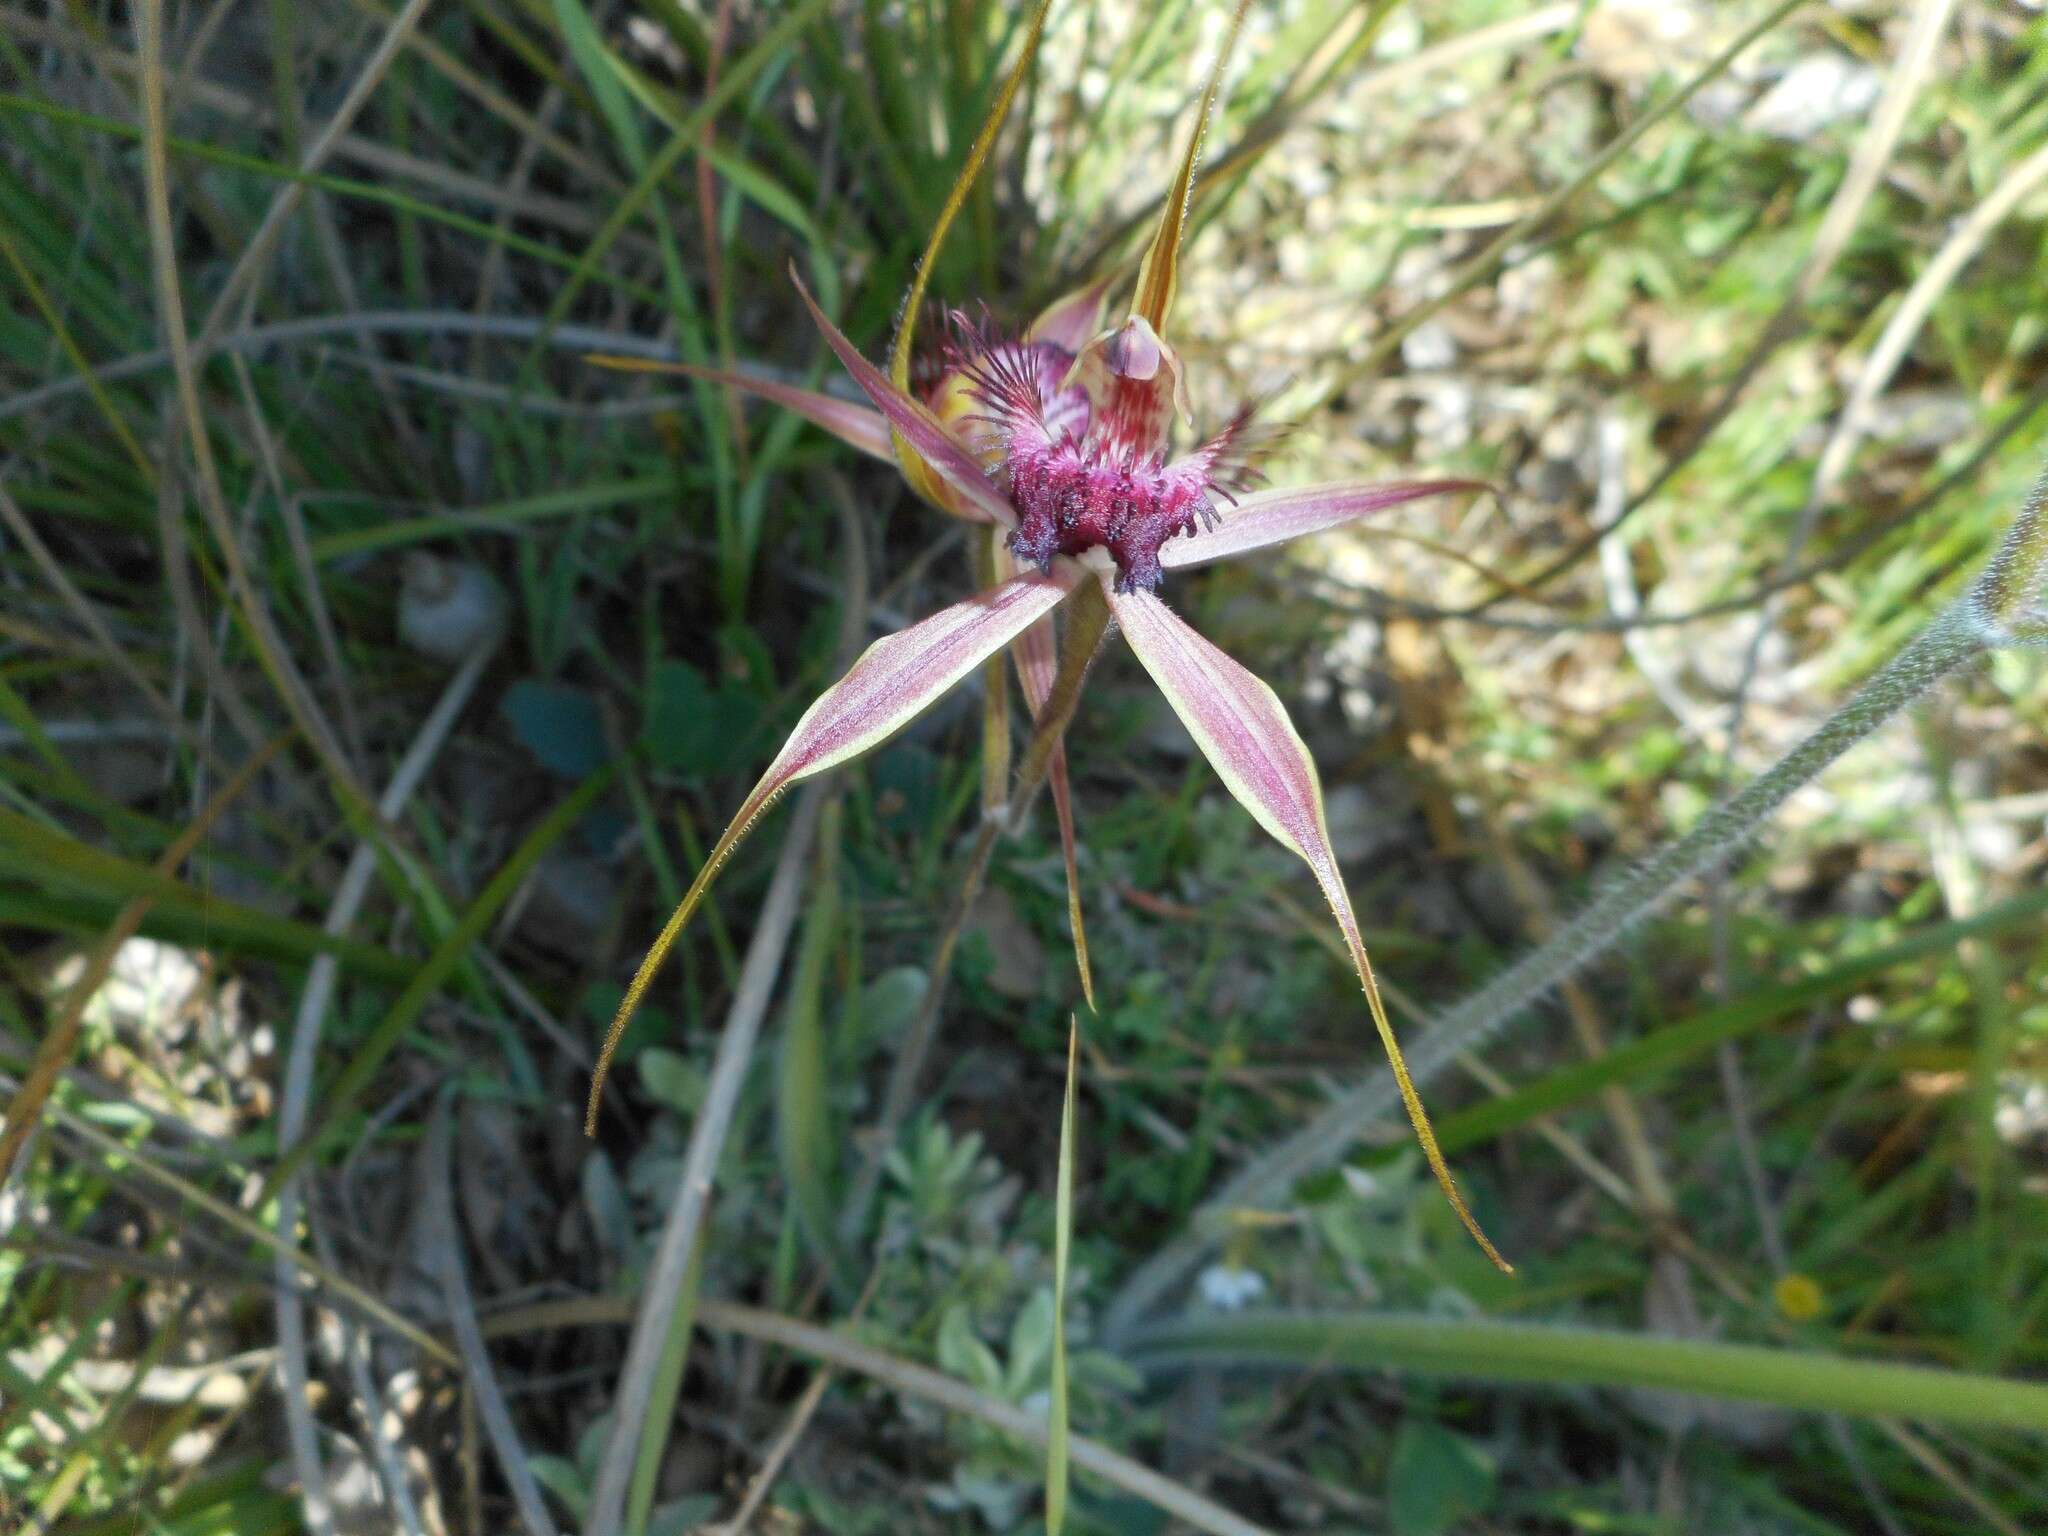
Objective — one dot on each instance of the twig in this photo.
(248, 268)
(270, 649)
(567, 214)
(1873, 152)
(401, 322)
(1866, 169)
(82, 609)
(422, 460)
(526, 402)
(294, 1105)
(1485, 262)
(667, 1275)
(1962, 245)
(792, 1432)
(370, 1401)
(126, 1166)
(1867, 538)
(675, 1260)
(491, 270)
(482, 1381)
(1611, 443)
(302, 560)
(1260, 136)
(2005, 607)
(592, 170)
(1653, 1201)
(1945, 1473)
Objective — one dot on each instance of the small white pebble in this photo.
(1820, 89)
(447, 608)
(1228, 1288)
(1429, 347)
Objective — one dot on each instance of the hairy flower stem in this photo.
(1959, 635)
(1087, 626)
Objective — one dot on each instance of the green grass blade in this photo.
(659, 166)
(43, 856)
(499, 517)
(340, 186)
(1560, 1356)
(802, 1118)
(438, 967)
(600, 72)
(1669, 1047)
(1057, 1429)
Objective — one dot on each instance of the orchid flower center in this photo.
(1081, 442)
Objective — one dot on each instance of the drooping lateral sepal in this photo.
(1036, 654)
(1243, 730)
(895, 680)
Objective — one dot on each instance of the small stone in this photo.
(1019, 967)
(1818, 90)
(1429, 348)
(1230, 1288)
(447, 608)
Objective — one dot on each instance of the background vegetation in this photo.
(374, 671)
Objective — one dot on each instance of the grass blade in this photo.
(1056, 1430)
(438, 967)
(803, 1128)
(1492, 1351)
(24, 1109)
(977, 156)
(1678, 1043)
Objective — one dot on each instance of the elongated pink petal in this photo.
(901, 675)
(895, 680)
(1265, 518)
(1036, 654)
(1072, 320)
(1242, 729)
(943, 453)
(855, 425)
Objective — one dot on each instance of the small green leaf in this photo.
(672, 1078)
(691, 727)
(963, 1354)
(1030, 1345)
(562, 1478)
(560, 724)
(891, 1000)
(1435, 1479)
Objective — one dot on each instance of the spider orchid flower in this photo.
(1060, 443)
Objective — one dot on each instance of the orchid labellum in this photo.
(1060, 442)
